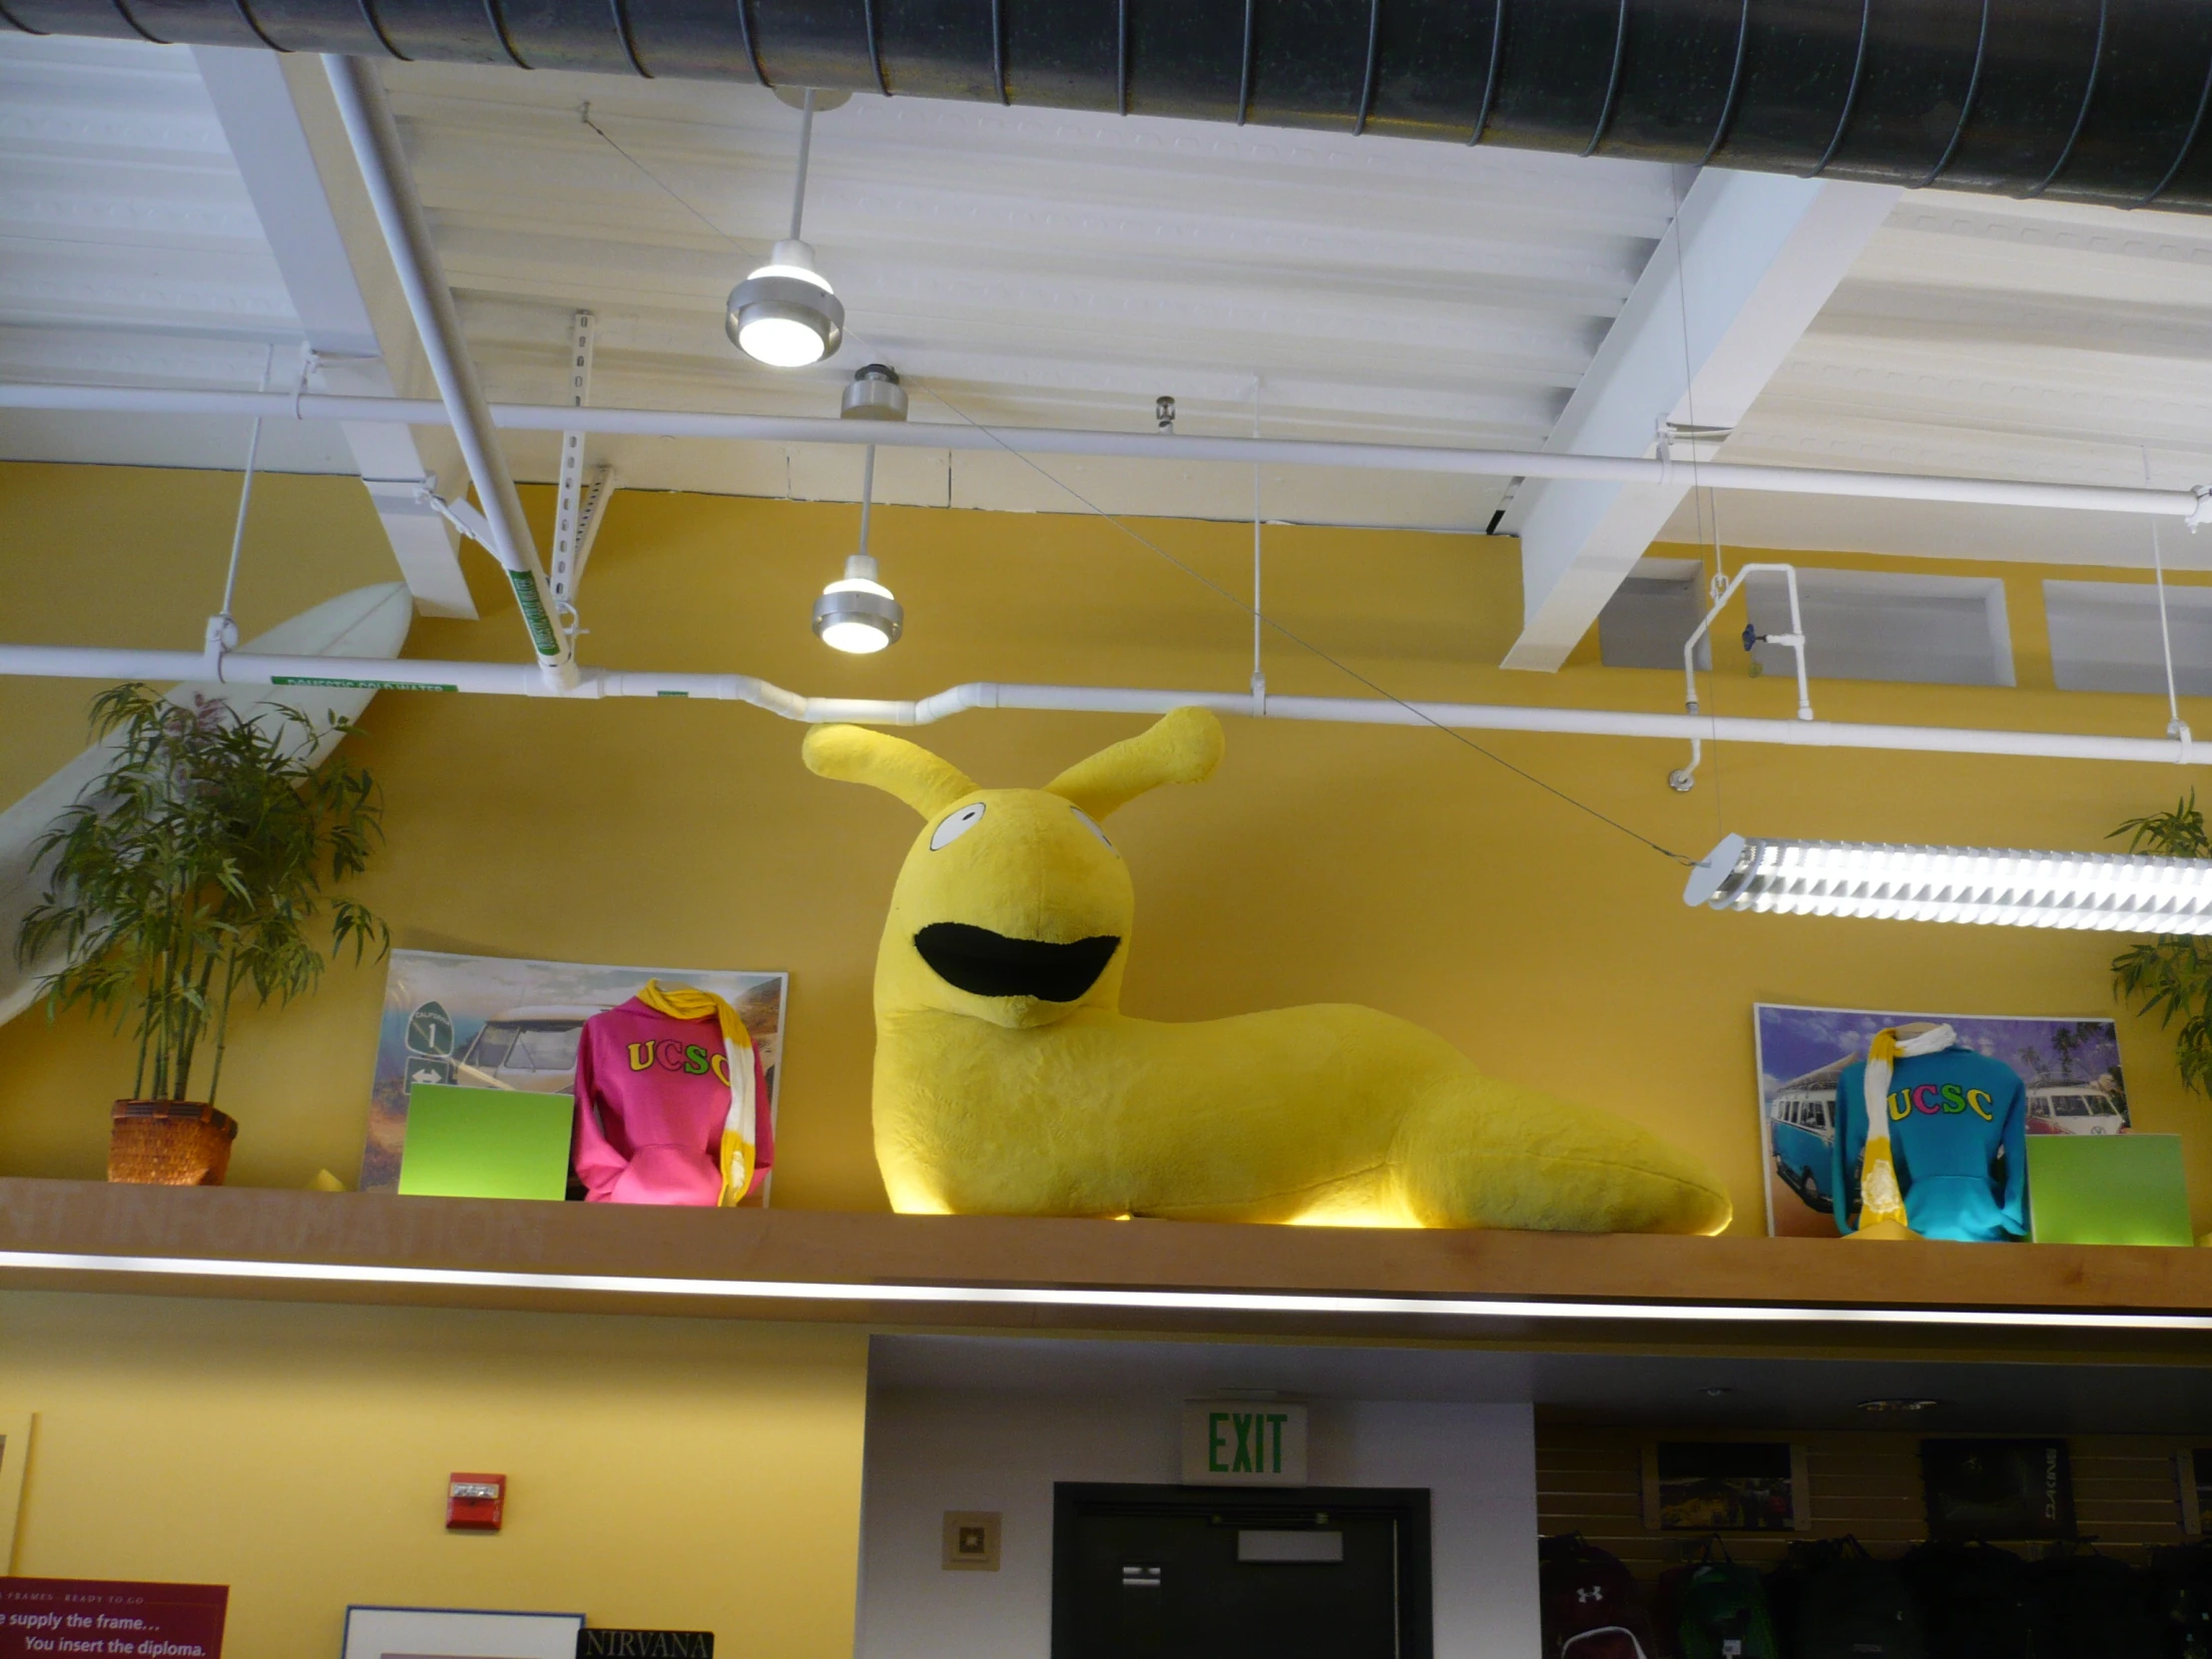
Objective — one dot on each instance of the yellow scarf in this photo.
(1881, 1199)
(739, 1137)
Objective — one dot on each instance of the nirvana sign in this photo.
(643, 1644)
(1243, 1443)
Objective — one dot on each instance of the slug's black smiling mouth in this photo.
(984, 963)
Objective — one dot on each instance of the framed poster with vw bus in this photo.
(2069, 1069)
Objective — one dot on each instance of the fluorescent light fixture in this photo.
(1048, 1295)
(2092, 891)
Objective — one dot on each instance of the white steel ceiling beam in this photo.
(254, 102)
(1731, 286)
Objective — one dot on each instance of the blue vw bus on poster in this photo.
(2072, 1069)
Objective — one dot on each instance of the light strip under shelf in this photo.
(1047, 1295)
(1994, 887)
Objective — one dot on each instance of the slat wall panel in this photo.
(1865, 1484)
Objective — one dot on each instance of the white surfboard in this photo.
(370, 622)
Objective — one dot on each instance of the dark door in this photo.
(1179, 1572)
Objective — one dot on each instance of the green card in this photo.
(2107, 1189)
(486, 1142)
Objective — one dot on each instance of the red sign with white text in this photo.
(88, 1618)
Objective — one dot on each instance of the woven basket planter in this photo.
(169, 1143)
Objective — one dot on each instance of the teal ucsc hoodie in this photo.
(1954, 1115)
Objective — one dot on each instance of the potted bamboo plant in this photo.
(2171, 975)
(191, 870)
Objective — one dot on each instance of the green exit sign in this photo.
(1243, 1443)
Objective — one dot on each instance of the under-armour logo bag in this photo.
(1592, 1607)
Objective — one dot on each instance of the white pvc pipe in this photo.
(384, 163)
(1794, 639)
(523, 680)
(2192, 506)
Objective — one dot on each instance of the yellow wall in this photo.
(672, 1474)
(1395, 868)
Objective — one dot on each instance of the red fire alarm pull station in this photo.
(475, 1502)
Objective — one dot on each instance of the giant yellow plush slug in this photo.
(1009, 1082)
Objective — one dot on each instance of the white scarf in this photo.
(1880, 1067)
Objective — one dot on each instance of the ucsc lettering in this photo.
(1931, 1099)
(671, 1055)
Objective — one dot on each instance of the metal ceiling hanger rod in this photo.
(2192, 507)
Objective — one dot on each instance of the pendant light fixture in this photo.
(857, 613)
(2094, 892)
(785, 315)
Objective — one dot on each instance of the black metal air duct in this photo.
(2080, 100)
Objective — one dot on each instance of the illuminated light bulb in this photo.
(857, 613)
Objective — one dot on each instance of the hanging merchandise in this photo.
(1855, 1607)
(1974, 1601)
(2095, 1604)
(1784, 1584)
(1933, 1141)
(669, 1088)
(2181, 1597)
(1592, 1607)
(1008, 1081)
(1720, 1609)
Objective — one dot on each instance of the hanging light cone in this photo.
(857, 613)
(785, 315)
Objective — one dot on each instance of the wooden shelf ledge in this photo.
(1141, 1277)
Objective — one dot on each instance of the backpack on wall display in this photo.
(1976, 1603)
(1855, 1607)
(1785, 1586)
(1592, 1607)
(1720, 1610)
(2092, 1604)
(2181, 1599)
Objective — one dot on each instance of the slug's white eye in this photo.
(956, 825)
(1089, 823)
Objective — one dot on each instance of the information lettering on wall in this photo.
(593, 1643)
(1243, 1443)
(84, 1618)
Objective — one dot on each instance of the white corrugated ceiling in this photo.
(1067, 269)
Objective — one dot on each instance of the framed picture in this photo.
(505, 1022)
(1726, 1486)
(2000, 1489)
(15, 1454)
(2193, 1474)
(2070, 1067)
(458, 1633)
